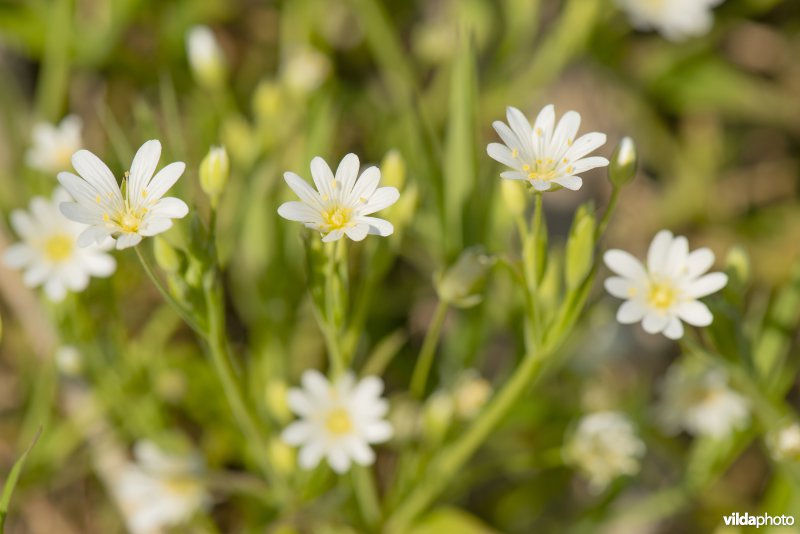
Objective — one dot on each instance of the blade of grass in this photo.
(11, 481)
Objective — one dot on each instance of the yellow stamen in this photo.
(338, 422)
(337, 217)
(59, 247)
(662, 295)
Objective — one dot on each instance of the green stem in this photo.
(333, 313)
(221, 360)
(177, 306)
(366, 495)
(451, 459)
(425, 360)
(612, 205)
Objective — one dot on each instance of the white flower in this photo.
(160, 490)
(784, 442)
(205, 56)
(674, 19)
(701, 403)
(140, 212)
(49, 253)
(546, 154)
(604, 446)
(341, 203)
(665, 292)
(54, 145)
(305, 69)
(69, 360)
(338, 421)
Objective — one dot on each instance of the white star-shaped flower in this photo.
(160, 490)
(546, 154)
(49, 253)
(341, 204)
(665, 292)
(676, 20)
(138, 212)
(338, 421)
(53, 145)
(603, 447)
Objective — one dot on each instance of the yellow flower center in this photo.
(59, 247)
(130, 222)
(337, 217)
(180, 485)
(662, 295)
(543, 169)
(338, 422)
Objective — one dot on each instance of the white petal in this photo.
(299, 211)
(299, 402)
(698, 262)
(323, 177)
(654, 323)
(368, 389)
(310, 455)
(710, 283)
(695, 313)
(297, 433)
(154, 226)
(502, 154)
(128, 240)
(619, 287)
(544, 124)
(35, 275)
(570, 182)
(142, 169)
(659, 250)
(361, 452)
(55, 290)
(303, 190)
(674, 329)
(23, 224)
(378, 432)
(169, 207)
(79, 188)
(100, 265)
(624, 264)
(585, 164)
(676, 256)
(631, 311)
(316, 384)
(338, 460)
(334, 235)
(18, 255)
(380, 199)
(585, 144)
(164, 180)
(511, 140)
(540, 185)
(365, 186)
(378, 226)
(565, 132)
(97, 173)
(357, 232)
(514, 175)
(93, 235)
(80, 213)
(347, 173)
(519, 124)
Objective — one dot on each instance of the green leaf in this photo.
(450, 520)
(11, 481)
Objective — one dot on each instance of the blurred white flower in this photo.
(341, 203)
(49, 253)
(470, 394)
(53, 145)
(665, 292)
(701, 402)
(546, 154)
(784, 442)
(604, 446)
(139, 212)
(69, 360)
(160, 490)
(338, 420)
(205, 56)
(676, 20)
(304, 69)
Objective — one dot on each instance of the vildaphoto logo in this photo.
(745, 519)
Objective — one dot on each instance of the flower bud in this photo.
(460, 285)
(514, 196)
(737, 265)
(305, 69)
(166, 257)
(393, 170)
(275, 396)
(784, 443)
(281, 456)
(205, 57)
(69, 360)
(471, 393)
(437, 416)
(622, 169)
(267, 100)
(580, 248)
(214, 172)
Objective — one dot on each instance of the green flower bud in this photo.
(166, 257)
(470, 395)
(206, 58)
(214, 172)
(281, 456)
(623, 163)
(580, 248)
(514, 196)
(275, 396)
(737, 264)
(267, 100)
(393, 170)
(460, 285)
(437, 416)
